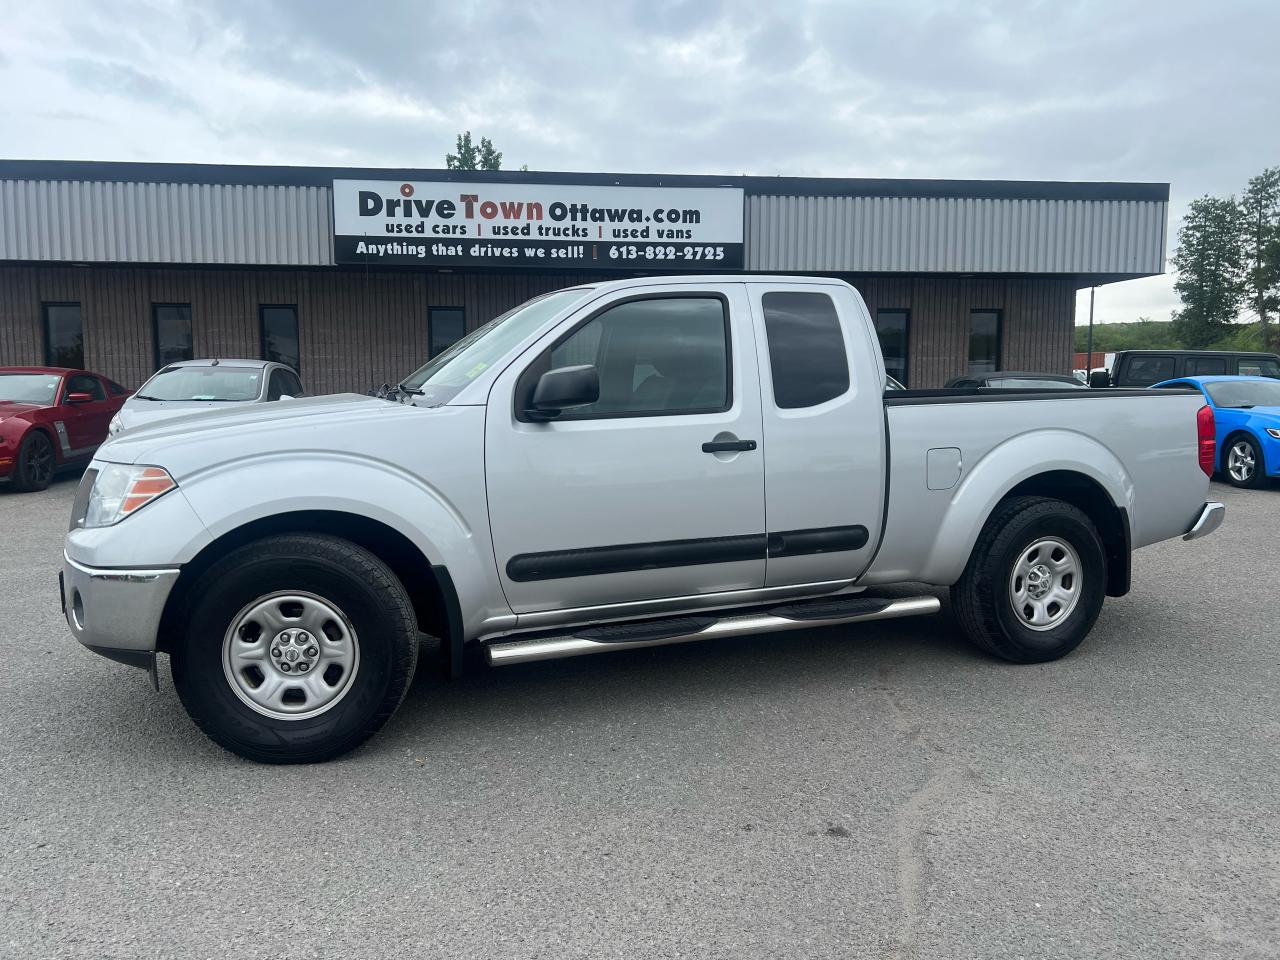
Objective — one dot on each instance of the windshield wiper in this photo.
(414, 390)
(143, 396)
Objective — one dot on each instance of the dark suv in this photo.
(1142, 368)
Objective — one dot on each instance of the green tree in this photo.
(1260, 222)
(1210, 263)
(472, 157)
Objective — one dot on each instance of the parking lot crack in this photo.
(912, 820)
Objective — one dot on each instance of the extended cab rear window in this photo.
(806, 349)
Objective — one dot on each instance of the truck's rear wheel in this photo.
(296, 648)
(1035, 581)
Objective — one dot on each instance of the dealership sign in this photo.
(382, 222)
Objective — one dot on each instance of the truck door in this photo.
(654, 490)
(824, 433)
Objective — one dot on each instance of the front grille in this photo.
(81, 505)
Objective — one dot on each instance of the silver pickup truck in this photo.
(617, 465)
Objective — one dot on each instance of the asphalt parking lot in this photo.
(878, 791)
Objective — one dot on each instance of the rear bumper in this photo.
(116, 613)
(1209, 520)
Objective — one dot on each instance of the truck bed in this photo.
(1137, 446)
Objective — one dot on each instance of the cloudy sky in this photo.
(1183, 92)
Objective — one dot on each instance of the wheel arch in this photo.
(430, 587)
(1055, 463)
(1092, 499)
(49, 435)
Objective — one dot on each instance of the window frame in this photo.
(526, 382)
(155, 333)
(431, 326)
(262, 333)
(1259, 362)
(92, 378)
(1157, 357)
(906, 341)
(999, 360)
(1192, 366)
(44, 330)
(768, 342)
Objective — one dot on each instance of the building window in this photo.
(63, 335)
(806, 349)
(280, 334)
(984, 341)
(891, 328)
(445, 327)
(171, 329)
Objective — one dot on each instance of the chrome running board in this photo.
(791, 617)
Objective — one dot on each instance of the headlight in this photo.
(1275, 432)
(121, 489)
(115, 426)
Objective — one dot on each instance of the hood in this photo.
(249, 428)
(11, 408)
(139, 413)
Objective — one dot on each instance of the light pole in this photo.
(1088, 363)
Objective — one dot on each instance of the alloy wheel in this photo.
(1240, 461)
(40, 460)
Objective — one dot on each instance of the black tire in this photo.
(982, 597)
(342, 574)
(1258, 476)
(36, 463)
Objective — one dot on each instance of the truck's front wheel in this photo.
(1035, 581)
(296, 649)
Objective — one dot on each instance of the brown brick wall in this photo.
(358, 329)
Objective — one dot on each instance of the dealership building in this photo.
(358, 276)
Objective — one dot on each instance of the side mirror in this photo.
(79, 397)
(558, 390)
(1099, 379)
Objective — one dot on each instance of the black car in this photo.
(1142, 368)
(1015, 380)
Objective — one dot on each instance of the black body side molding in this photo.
(593, 561)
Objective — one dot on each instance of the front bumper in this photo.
(1210, 519)
(116, 613)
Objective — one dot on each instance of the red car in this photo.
(51, 417)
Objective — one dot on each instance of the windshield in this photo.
(1035, 383)
(203, 383)
(1245, 393)
(28, 387)
(445, 376)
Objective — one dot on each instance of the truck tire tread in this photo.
(978, 596)
(296, 556)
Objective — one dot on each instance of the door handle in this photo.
(727, 446)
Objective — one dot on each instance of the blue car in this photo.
(1246, 412)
